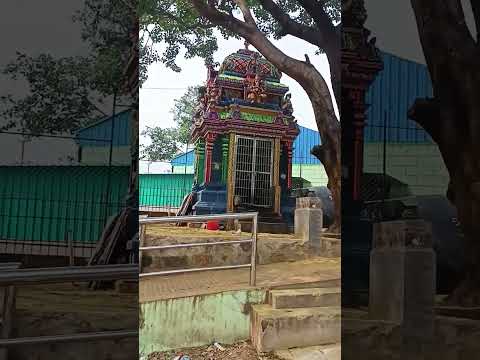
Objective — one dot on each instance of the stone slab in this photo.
(323, 352)
(304, 298)
(281, 329)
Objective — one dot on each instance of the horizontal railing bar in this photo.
(104, 335)
(67, 274)
(175, 246)
(180, 271)
(173, 219)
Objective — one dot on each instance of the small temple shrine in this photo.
(243, 132)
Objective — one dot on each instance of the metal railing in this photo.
(201, 218)
(10, 276)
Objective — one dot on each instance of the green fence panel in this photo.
(44, 203)
(164, 190)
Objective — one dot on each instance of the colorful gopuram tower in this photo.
(243, 131)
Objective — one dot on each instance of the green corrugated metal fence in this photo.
(44, 203)
(164, 190)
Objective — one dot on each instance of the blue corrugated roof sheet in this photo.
(99, 134)
(392, 93)
(304, 142)
(183, 159)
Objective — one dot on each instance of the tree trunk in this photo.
(328, 125)
(452, 120)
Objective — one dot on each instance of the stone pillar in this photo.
(309, 220)
(210, 139)
(403, 276)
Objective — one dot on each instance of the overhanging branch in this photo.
(290, 26)
(247, 14)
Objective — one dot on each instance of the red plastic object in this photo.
(212, 225)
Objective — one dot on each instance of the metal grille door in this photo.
(253, 171)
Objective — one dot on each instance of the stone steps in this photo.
(282, 329)
(304, 298)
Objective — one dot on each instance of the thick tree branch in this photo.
(317, 12)
(426, 114)
(289, 26)
(247, 14)
(476, 16)
(327, 37)
(452, 45)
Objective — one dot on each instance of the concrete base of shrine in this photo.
(271, 248)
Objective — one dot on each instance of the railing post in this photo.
(253, 261)
(141, 239)
(71, 254)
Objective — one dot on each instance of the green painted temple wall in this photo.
(197, 320)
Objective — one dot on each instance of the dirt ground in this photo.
(240, 351)
(72, 308)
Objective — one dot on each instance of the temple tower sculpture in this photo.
(243, 131)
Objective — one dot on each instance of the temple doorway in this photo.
(253, 171)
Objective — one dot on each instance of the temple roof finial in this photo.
(247, 44)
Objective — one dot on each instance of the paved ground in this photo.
(271, 275)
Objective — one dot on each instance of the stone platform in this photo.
(271, 248)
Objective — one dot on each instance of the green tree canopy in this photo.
(68, 93)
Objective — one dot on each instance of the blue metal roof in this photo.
(304, 142)
(99, 133)
(183, 159)
(392, 93)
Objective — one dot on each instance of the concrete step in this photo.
(304, 298)
(322, 352)
(281, 329)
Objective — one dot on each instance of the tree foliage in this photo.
(67, 93)
(177, 24)
(163, 144)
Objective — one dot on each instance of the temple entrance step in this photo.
(281, 329)
(297, 318)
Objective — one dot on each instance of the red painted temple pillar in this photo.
(360, 64)
(209, 141)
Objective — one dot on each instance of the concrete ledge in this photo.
(304, 298)
(277, 329)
